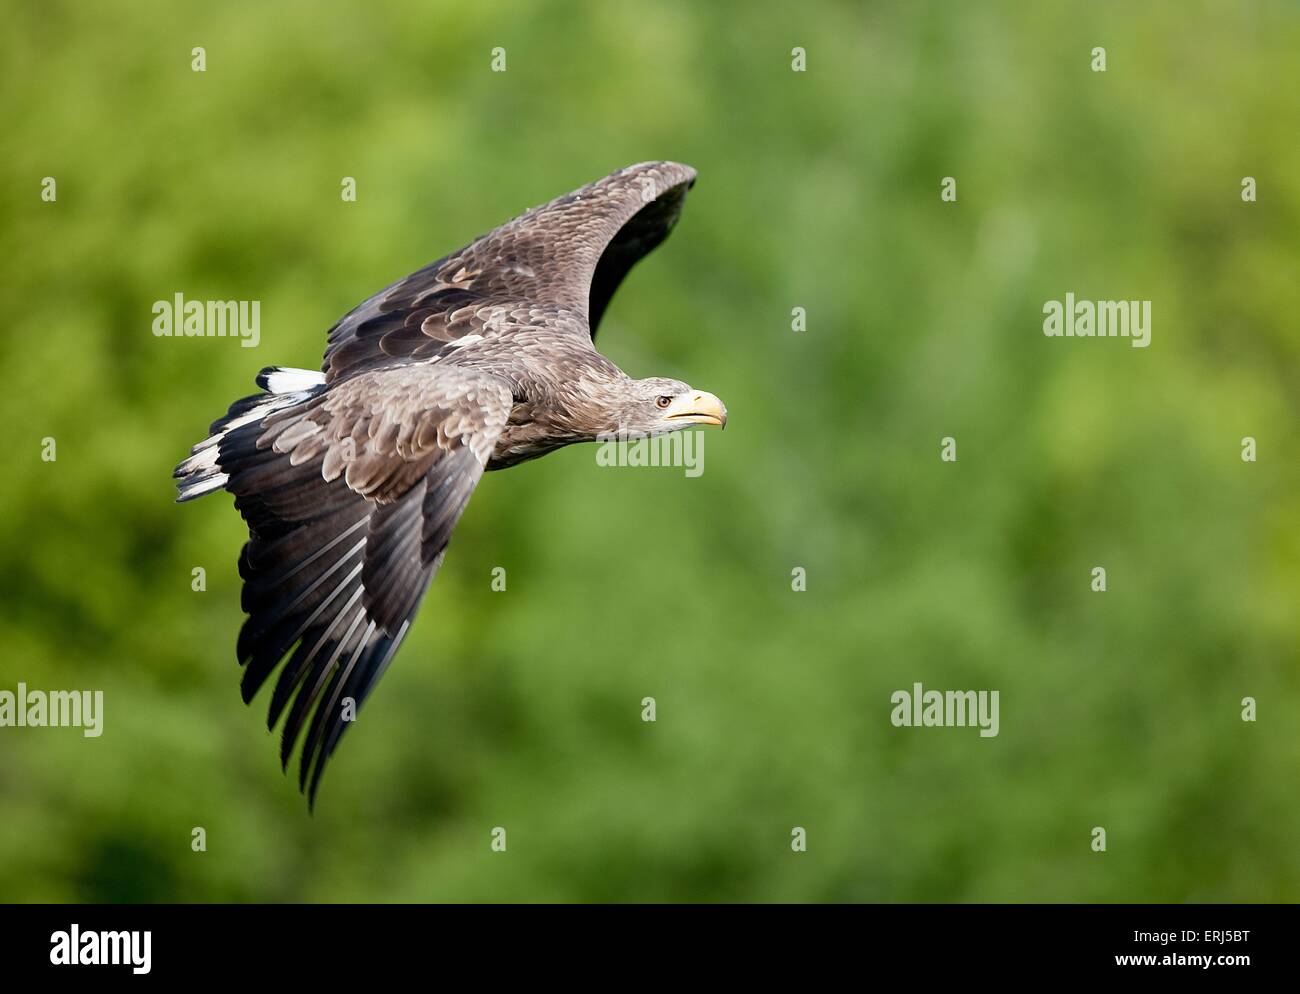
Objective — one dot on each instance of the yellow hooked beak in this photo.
(696, 408)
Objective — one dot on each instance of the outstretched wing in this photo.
(568, 255)
(350, 497)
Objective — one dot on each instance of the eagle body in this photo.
(352, 479)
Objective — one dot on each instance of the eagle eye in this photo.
(662, 402)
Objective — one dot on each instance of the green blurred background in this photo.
(817, 189)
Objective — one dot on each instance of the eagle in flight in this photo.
(352, 479)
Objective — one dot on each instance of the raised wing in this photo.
(568, 255)
(350, 498)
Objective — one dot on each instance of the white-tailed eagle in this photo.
(351, 480)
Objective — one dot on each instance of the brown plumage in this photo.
(352, 480)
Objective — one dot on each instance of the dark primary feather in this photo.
(351, 483)
(637, 238)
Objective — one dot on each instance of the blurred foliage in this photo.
(817, 189)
